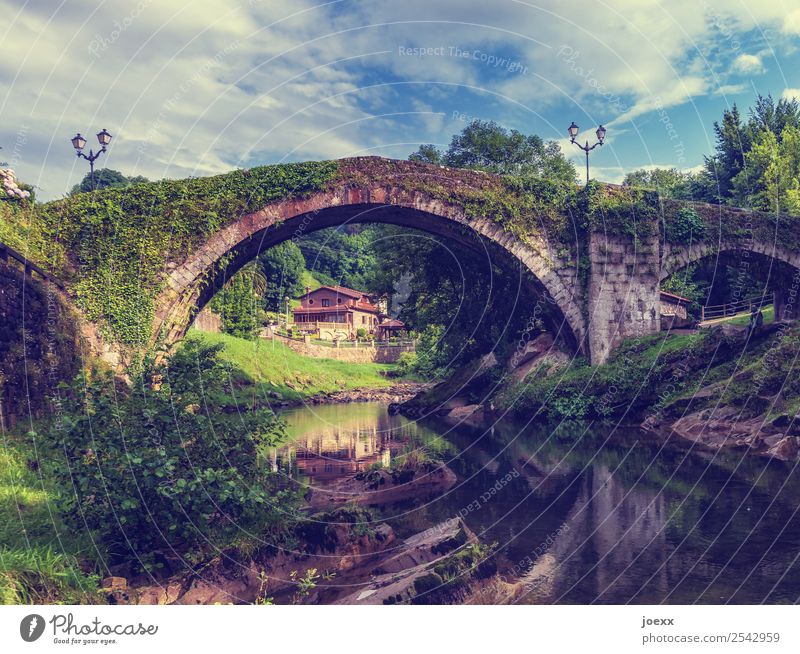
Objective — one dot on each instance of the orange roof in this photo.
(342, 290)
(392, 323)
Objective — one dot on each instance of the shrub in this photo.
(159, 468)
(686, 226)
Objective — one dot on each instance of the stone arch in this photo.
(779, 266)
(193, 282)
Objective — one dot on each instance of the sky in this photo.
(193, 88)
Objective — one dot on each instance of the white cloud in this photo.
(748, 64)
(791, 94)
(196, 86)
(791, 24)
(732, 89)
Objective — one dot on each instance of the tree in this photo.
(770, 180)
(669, 182)
(106, 178)
(283, 266)
(240, 302)
(728, 160)
(343, 255)
(485, 145)
(724, 177)
(427, 154)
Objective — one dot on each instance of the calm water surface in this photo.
(582, 513)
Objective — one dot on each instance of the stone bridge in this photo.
(595, 267)
(615, 296)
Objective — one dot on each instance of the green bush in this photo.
(407, 363)
(160, 468)
(685, 227)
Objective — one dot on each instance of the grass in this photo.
(743, 319)
(39, 557)
(265, 365)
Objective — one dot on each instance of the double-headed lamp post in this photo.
(601, 135)
(78, 142)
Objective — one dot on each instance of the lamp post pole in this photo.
(572, 130)
(78, 142)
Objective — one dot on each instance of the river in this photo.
(580, 513)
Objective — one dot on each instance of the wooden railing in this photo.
(7, 253)
(713, 311)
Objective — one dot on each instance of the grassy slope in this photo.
(271, 366)
(38, 555)
(656, 371)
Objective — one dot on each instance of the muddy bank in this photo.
(354, 563)
(395, 394)
(728, 427)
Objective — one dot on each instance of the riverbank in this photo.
(717, 388)
(268, 372)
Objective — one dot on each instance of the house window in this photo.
(338, 300)
(311, 301)
(363, 320)
(326, 303)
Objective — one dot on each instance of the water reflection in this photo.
(581, 515)
(330, 442)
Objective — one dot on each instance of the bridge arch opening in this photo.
(192, 284)
(739, 275)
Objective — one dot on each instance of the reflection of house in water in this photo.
(322, 451)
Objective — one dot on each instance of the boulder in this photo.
(465, 411)
(786, 448)
(114, 583)
(534, 349)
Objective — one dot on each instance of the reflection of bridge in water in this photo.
(610, 530)
(721, 536)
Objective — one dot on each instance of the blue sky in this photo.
(196, 88)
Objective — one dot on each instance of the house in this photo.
(674, 310)
(336, 312)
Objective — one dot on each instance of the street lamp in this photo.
(78, 142)
(601, 135)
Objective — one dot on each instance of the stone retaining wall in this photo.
(361, 354)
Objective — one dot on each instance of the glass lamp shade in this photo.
(78, 142)
(104, 138)
(601, 133)
(573, 130)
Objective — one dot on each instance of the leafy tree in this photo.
(427, 154)
(726, 176)
(283, 266)
(343, 255)
(669, 182)
(240, 302)
(771, 178)
(159, 468)
(686, 284)
(485, 145)
(105, 178)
